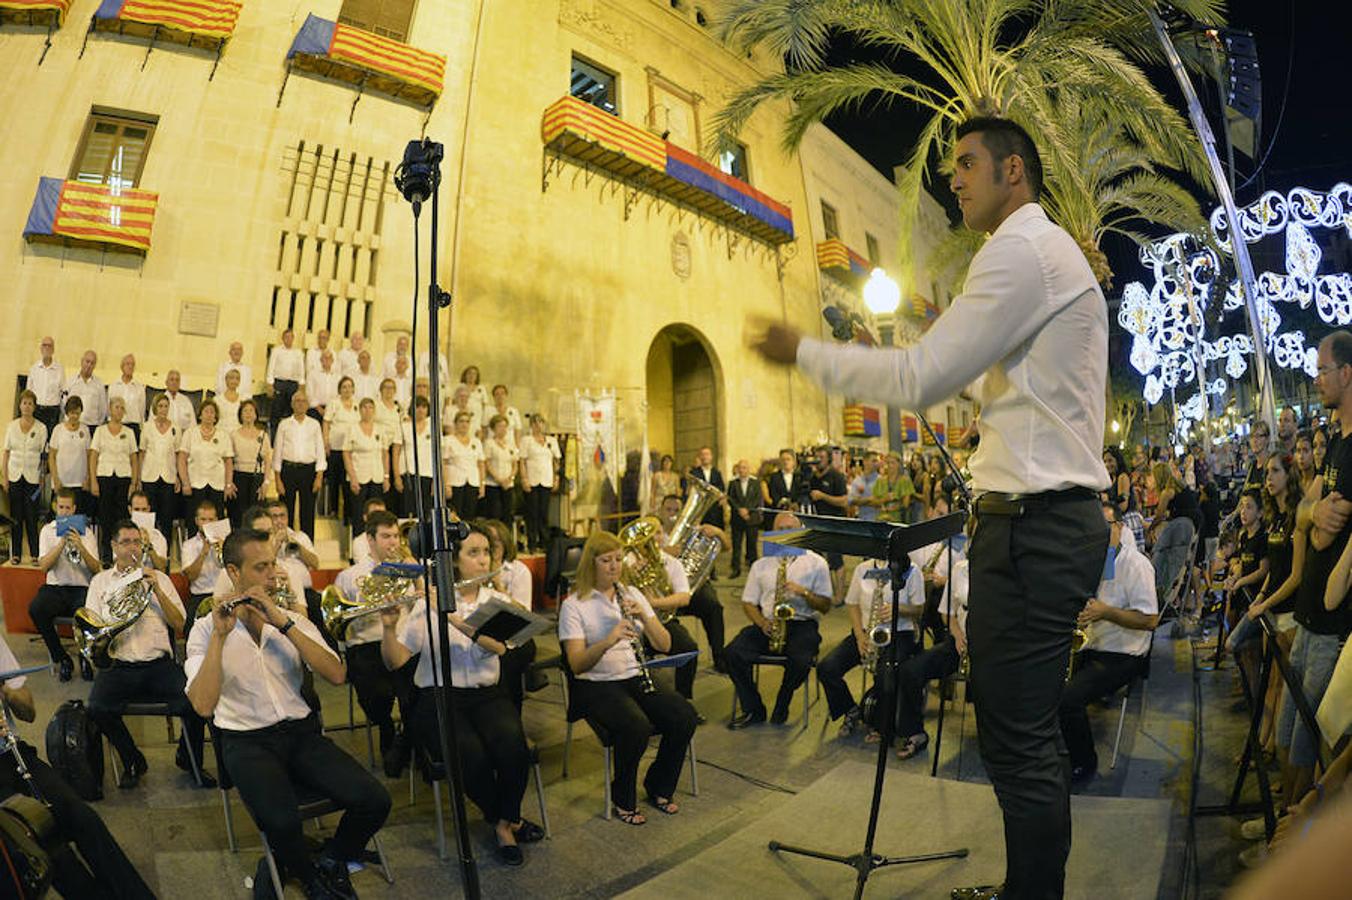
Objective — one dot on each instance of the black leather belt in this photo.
(999, 503)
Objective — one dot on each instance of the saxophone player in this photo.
(143, 669)
(807, 586)
(69, 561)
(869, 603)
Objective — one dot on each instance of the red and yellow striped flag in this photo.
(380, 54)
(211, 18)
(93, 212)
(60, 7)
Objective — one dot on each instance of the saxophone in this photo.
(636, 643)
(879, 632)
(783, 610)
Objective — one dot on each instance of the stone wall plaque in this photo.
(680, 255)
(195, 317)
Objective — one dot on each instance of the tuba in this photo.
(94, 634)
(646, 571)
(697, 549)
(783, 609)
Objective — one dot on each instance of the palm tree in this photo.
(1029, 60)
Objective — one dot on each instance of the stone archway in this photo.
(684, 391)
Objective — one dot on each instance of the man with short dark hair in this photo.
(66, 582)
(786, 488)
(744, 498)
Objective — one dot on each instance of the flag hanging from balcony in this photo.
(571, 117)
(209, 18)
(686, 167)
(93, 213)
(863, 421)
(34, 12)
(370, 53)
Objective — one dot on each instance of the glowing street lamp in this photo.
(881, 294)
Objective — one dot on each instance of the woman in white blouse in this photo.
(465, 467)
(406, 483)
(159, 463)
(492, 744)
(599, 624)
(206, 462)
(339, 416)
(115, 464)
(501, 407)
(364, 459)
(476, 395)
(390, 421)
(253, 460)
(500, 458)
(68, 457)
(539, 461)
(21, 462)
(513, 581)
(228, 401)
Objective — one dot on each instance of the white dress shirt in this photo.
(462, 461)
(541, 460)
(340, 419)
(1131, 587)
(133, 396)
(872, 573)
(299, 442)
(47, 382)
(314, 362)
(64, 572)
(517, 583)
(260, 682)
(148, 637)
(958, 585)
(228, 418)
(449, 411)
(593, 617)
(245, 377)
(345, 360)
(292, 568)
(361, 549)
(114, 450)
(1031, 317)
(368, 458)
(211, 571)
(503, 458)
(72, 454)
(25, 450)
(364, 385)
(403, 391)
(511, 414)
(159, 453)
(362, 629)
(391, 364)
(302, 571)
(471, 665)
(807, 569)
(286, 364)
(206, 457)
(181, 411)
(93, 394)
(321, 387)
(425, 460)
(479, 402)
(442, 368)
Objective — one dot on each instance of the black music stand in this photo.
(879, 540)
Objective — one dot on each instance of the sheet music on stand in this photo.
(505, 621)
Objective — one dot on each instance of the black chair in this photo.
(436, 773)
(159, 709)
(769, 659)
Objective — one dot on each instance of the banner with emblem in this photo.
(598, 451)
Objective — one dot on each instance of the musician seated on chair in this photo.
(288, 571)
(703, 602)
(667, 605)
(869, 602)
(492, 744)
(101, 868)
(513, 580)
(64, 590)
(143, 669)
(806, 591)
(362, 546)
(201, 560)
(377, 687)
(139, 502)
(1119, 622)
(245, 668)
(601, 629)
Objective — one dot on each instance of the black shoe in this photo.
(983, 892)
(333, 872)
(395, 758)
(66, 668)
(509, 855)
(746, 720)
(387, 735)
(779, 716)
(527, 832)
(86, 670)
(262, 882)
(131, 774)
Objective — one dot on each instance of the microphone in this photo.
(842, 327)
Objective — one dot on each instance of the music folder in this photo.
(505, 621)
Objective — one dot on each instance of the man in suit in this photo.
(706, 471)
(787, 488)
(744, 498)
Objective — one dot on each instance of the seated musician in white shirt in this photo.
(143, 669)
(64, 589)
(245, 667)
(288, 574)
(297, 545)
(702, 603)
(138, 504)
(807, 589)
(201, 560)
(362, 545)
(1119, 623)
(513, 580)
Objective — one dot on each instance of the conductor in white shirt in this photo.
(1032, 319)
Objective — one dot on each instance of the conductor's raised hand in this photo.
(776, 342)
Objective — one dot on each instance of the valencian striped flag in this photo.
(92, 212)
(600, 127)
(370, 52)
(210, 18)
(59, 7)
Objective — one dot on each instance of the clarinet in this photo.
(637, 644)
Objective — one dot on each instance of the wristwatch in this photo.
(289, 624)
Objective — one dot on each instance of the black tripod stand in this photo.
(880, 540)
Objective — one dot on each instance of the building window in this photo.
(701, 19)
(733, 162)
(871, 243)
(113, 149)
(594, 85)
(829, 223)
(387, 18)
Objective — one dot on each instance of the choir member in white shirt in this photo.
(253, 461)
(286, 375)
(392, 358)
(245, 666)
(403, 382)
(64, 589)
(407, 483)
(1118, 621)
(491, 743)
(348, 357)
(157, 549)
(114, 464)
(340, 416)
(423, 371)
(364, 459)
(132, 394)
(599, 624)
(235, 363)
(181, 411)
(466, 467)
(477, 394)
(91, 391)
(366, 380)
(298, 462)
(513, 580)
(807, 584)
(201, 560)
(321, 385)
(159, 463)
(500, 464)
(206, 461)
(500, 407)
(47, 380)
(68, 458)
(870, 580)
(540, 457)
(457, 404)
(21, 469)
(315, 355)
(390, 421)
(227, 402)
(143, 669)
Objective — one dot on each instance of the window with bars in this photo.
(388, 18)
(113, 149)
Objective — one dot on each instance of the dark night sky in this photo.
(1313, 144)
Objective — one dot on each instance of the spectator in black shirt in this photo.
(1259, 442)
(827, 490)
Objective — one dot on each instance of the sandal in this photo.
(663, 805)
(872, 737)
(630, 816)
(913, 745)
